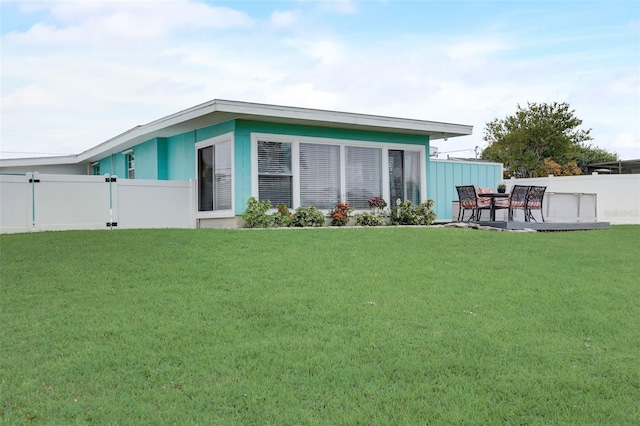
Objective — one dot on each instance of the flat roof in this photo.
(616, 167)
(220, 110)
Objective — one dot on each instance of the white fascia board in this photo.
(38, 161)
(345, 118)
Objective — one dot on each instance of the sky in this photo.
(77, 73)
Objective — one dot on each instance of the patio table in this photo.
(493, 196)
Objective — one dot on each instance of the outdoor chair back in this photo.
(518, 200)
(484, 203)
(467, 200)
(534, 201)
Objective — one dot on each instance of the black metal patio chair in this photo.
(534, 201)
(518, 200)
(468, 200)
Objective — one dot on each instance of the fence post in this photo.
(33, 179)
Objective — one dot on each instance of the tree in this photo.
(589, 155)
(523, 141)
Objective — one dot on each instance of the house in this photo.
(295, 156)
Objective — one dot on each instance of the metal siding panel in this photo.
(242, 146)
(146, 160)
(163, 171)
(181, 157)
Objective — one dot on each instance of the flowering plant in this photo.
(282, 217)
(340, 214)
(377, 203)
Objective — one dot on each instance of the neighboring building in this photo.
(622, 167)
(295, 156)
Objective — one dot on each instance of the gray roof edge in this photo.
(311, 114)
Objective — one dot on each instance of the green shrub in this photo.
(370, 219)
(309, 216)
(409, 214)
(255, 216)
(282, 217)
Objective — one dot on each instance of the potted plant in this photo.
(502, 188)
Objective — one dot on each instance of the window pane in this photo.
(274, 172)
(364, 175)
(205, 179)
(222, 189)
(131, 166)
(277, 189)
(274, 158)
(396, 176)
(412, 176)
(319, 175)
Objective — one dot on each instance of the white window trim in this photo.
(127, 153)
(295, 142)
(227, 137)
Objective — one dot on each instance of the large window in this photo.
(214, 177)
(319, 175)
(305, 171)
(275, 176)
(404, 176)
(363, 175)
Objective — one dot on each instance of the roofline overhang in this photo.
(220, 110)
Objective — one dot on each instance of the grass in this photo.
(320, 326)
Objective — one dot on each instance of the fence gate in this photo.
(46, 202)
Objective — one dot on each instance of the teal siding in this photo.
(181, 156)
(445, 175)
(330, 133)
(146, 158)
(213, 131)
(120, 165)
(105, 166)
(163, 170)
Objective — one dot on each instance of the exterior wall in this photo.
(221, 223)
(146, 157)
(445, 175)
(181, 154)
(243, 130)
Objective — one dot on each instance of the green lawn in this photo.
(320, 326)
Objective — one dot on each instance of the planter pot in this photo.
(502, 190)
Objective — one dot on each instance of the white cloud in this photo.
(285, 19)
(31, 96)
(343, 7)
(475, 48)
(101, 68)
(627, 140)
(110, 22)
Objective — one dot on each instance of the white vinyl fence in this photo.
(44, 202)
(602, 198)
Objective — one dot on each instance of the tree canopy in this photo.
(541, 139)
